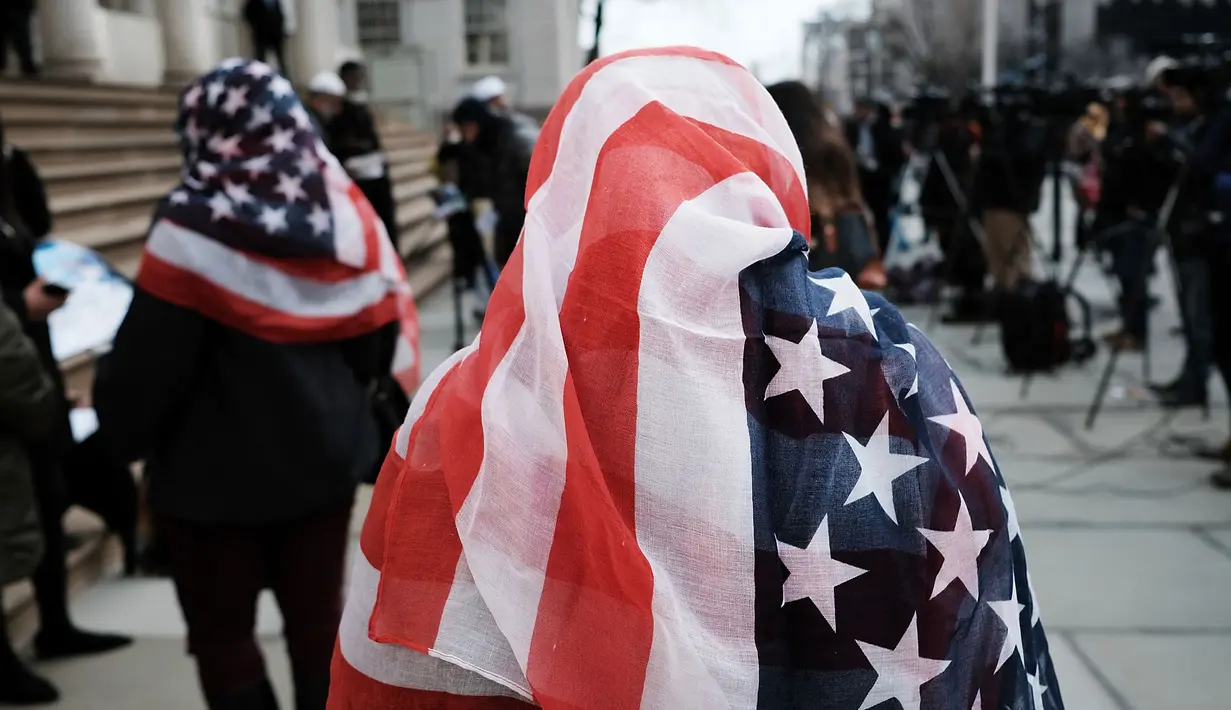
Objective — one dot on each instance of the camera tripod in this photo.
(1157, 235)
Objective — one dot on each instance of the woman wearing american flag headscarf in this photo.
(677, 470)
(269, 304)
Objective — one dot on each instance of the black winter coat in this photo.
(235, 429)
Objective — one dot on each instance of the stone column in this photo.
(188, 38)
(74, 38)
(314, 47)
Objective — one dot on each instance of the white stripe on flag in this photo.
(394, 665)
(695, 88)
(350, 241)
(691, 354)
(260, 283)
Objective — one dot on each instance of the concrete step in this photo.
(108, 168)
(90, 137)
(96, 196)
(50, 91)
(410, 140)
(421, 238)
(36, 115)
(415, 211)
(409, 170)
(106, 145)
(406, 190)
(66, 160)
(104, 227)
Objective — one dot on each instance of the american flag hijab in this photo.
(265, 232)
(678, 471)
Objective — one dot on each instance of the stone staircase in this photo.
(106, 155)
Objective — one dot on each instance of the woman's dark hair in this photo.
(828, 161)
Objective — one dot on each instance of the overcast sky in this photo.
(764, 35)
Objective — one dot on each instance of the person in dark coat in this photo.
(879, 147)
(248, 398)
(28, 413)
(356, 143)
(267, 23)
(24, 218)
(15, 16)
(495, 165)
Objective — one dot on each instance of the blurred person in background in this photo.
(267, 308)
(267, 25)
(942, 203)
(1084, 153)
(29, 411)
(356, 144)
(1191, 236)
(881, 154)
(842, 235)
(24, 220)
(15, 19)
(326, 93)
(497, 166)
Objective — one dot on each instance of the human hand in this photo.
(39, 303)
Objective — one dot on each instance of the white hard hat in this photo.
(1157, 66)
(487, 88)
(328, 83)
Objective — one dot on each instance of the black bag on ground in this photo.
(1035, 330)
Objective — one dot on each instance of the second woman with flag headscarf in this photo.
(269, 303)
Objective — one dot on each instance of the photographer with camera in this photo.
(1200, 228)
(951, 141)
(1140, 167)
(1190, 228)
(1007, 187)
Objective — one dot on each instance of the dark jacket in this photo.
(234, 429)
(265, 21)
(28, 413)
(353, 131)
(24, 219)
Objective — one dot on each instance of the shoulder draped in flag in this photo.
(266, 233)
(676, 470)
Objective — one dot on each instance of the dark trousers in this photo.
(50, 578)
(15, 28)
(1197, 298)
(219, 571)
(1220, 311)
(379, 192)
(1132, 254)
(262, 46)
(508, 232)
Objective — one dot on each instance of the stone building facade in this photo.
(423, 53)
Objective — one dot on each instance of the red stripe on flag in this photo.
(548, 144)
(351, 690)
(595, 623)
(443, 457)
(190, 290)
(372, 537)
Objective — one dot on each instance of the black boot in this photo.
(18, 684)
(311, 693)
(21, 686)
(259, 697)
(69, 641)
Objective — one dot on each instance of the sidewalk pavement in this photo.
(1130, 549)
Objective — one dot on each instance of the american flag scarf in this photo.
(676, 470)
(266, 233)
